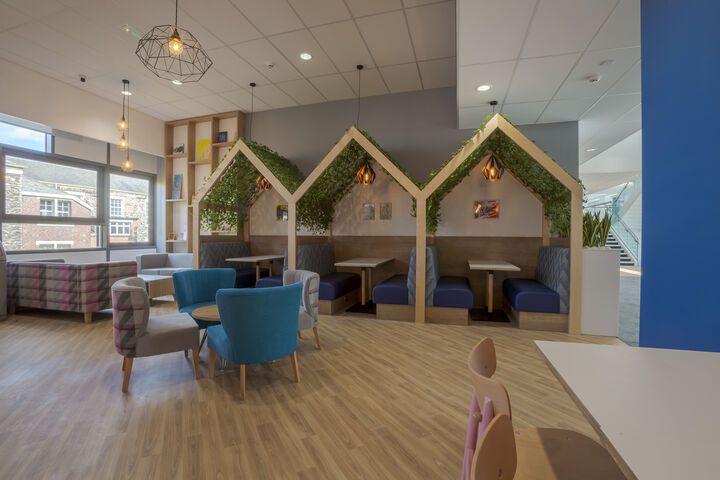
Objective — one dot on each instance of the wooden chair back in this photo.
(482, 358)
(496, 454)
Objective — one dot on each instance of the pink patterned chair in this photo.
(69, 287)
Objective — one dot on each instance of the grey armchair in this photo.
(309, 314)
(137, 334)
(163, 263)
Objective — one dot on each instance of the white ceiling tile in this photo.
(629, 83)
(387, 37)
(372, 82)
(496, 74)
(497, 39)
(565, 26)
(566, 110)
(274, 97)
(416, 3)
(622, 28)
(36, 8)
(606, 111)
(577, 85)
(222, 19)
(270, 16)
(320, 12)
(360, 8)
(523, 113)
(343, 44)
(194, 107)
(171, 110)
(432, 29)
(301, 91)
(216, 82)
(292, 44)
(190, 89)
(539, 78)
(333, 87)
(401, 78)
(11, 17)
(232, 66)
(607, 137)
(438, 73)
(217, 103)
(473, 117)
(242, 98)
(259, 53)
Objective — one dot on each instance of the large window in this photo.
(55, 202)
(24, 137)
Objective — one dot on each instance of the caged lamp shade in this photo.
(493, 169)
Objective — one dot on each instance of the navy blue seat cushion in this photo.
(245, 277)
(528, 295)
(392, 291)
(335, 285)
(453, 292)
(274, 281)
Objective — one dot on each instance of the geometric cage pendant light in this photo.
(365, 175)
(173, 53)
(493, 169)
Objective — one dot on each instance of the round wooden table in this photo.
(208, 313)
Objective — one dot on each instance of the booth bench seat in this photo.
(541, 303)
(214, 255)
(270, 281)
(332, 285)
(453, 292)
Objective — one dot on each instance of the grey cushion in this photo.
(553, 271)
(213, 254)
(151, 260)
(180, 261)
(166, 334)
(318, 258)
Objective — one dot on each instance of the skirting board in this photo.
(339, 305)
(406, 313)
(549, 322)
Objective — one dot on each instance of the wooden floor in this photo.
(382, 400)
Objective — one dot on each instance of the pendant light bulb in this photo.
(175, 44)
(493, 169)
(122, 125)
(127, 165)
(123, 143)
(365, 175)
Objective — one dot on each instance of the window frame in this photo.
(151, 178)
(122, 206)
(118, 222)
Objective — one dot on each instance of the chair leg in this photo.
(296, 368)
(186, 355)
(299, 335)
(242, 382)
(196, 362)
(317, 338)
(211, 363)
(126, 374)
(123, 366)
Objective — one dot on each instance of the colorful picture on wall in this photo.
(177, 186)
(386, 211)
(368, 211)
(203, 150)
(179, 148)
(281, 213)
(222, 137)
(486, 209)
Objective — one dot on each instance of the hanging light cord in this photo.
(357, 120)
(252, 109)
(176, 12)
(127, 85)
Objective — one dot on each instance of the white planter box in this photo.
(600, 291)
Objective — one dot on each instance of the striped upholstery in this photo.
(310, 295)
(131, 310)
(64, 286)
(553, 271)
(431, 275)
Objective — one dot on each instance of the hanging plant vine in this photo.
(316, 208)
(227, 204)
(553, 194)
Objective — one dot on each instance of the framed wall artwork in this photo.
(486, 209)
(368, 211)
(177, 186)
(281, 213)
(222, 137)
(385, 211)
(203, 150)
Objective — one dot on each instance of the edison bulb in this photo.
(175, 44)
(127, 165)
(123, 144)
(122, 125)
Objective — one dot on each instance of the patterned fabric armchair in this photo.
(137, 334)
(309, 305)
(83, 288)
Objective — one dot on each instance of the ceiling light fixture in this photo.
(173, 53)
(176, 82)
(494, 168)
(305, 56)
(484, 87)
(365, 175)
(591, 149)
(124, 144)
(123, 124)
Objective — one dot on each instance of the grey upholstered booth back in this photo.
(213, 254)
(553, 271)
(318, 258)
(432, 274)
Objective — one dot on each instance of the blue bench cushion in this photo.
(392, 291)
(454, 292)
(245, 277)
(274, 281)
(335, 285)
(528, 295)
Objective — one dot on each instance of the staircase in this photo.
(625, 259)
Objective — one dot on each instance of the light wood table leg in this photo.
(490, 279)
(257, 271)
(270, 268)
(363, 286)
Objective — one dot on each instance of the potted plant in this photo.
(600, 277)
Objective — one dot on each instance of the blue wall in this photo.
(681, 174)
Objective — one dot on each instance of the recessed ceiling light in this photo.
(305, 56)
(483, 88)
(177, 82)
(591, 149)
(126, 92)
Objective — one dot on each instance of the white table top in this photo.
(153, 278)
(493, 265)
(657, 408)
(255, 258)
(369, 262)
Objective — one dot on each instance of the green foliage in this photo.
(227, 204)
(595, 229)
(316, 208)
(553, 194)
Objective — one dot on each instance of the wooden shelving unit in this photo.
(179, 211)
